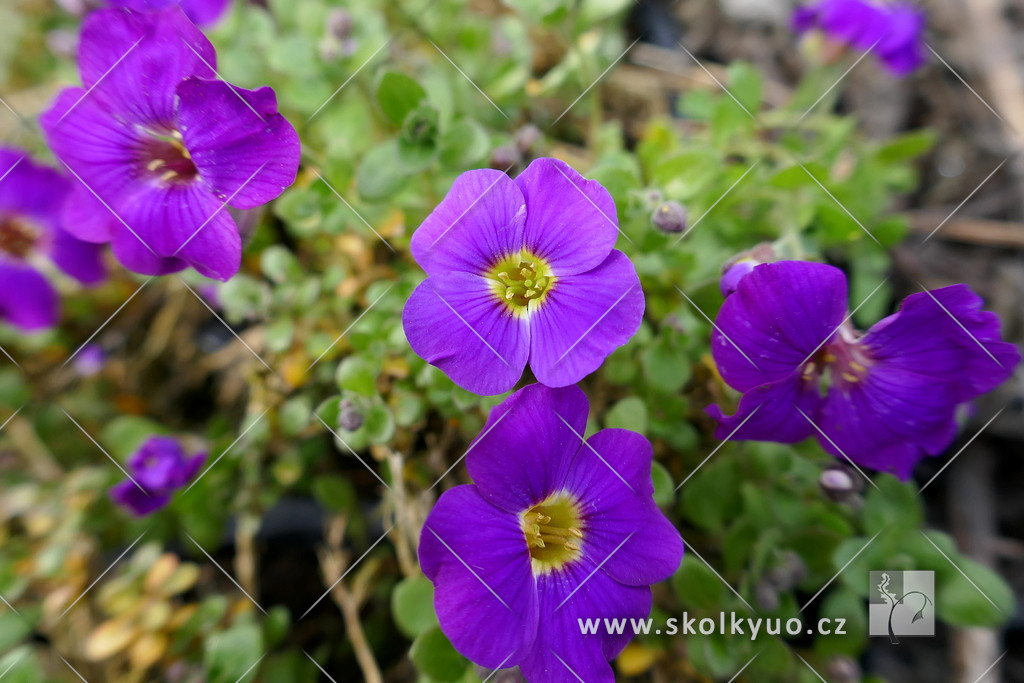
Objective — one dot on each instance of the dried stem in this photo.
(334, 562)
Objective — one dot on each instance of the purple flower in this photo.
(158, 469)
(521, 271)
(883, 399)
(894, 31)
(555, 529)
(31, 231)
(162, 148)
(89, 360)
(200, 12)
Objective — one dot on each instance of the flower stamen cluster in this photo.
(17, 236)
(521, 279)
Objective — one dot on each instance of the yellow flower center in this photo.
(554, 532)
(521, 281)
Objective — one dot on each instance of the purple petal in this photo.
(804, 19)
(525, 450)
(456, 322)
(485, 596)
(478, 223)
(889, 419)
(31, 190)
(27, 299)
(200, 12)
(244, 149)
(570, 221)
(780, 313)
(562, 654)
(183, 222)
(85, 217)
(901, 49)
(205, 12)
(136, 501)
(770, 412)
(583, 319)
(101, 150)
(622, 527)
(853, 22)
(945, 334)
(134, 61)
(133, 254)
(81, 260)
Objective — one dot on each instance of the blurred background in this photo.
(292, 556)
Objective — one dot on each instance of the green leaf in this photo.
(696, 585)
(666, 367)
(381, 172)
(908, 146)
(123, 435)
(398, 95)
(893, 505)
(229, 654)
(13, 629)
(664, 487)
(412, 604)
(976, 597)
(464, 144)
(629, 413)
(746, 85)
(434, 656)
(334, 492)
(358, 375)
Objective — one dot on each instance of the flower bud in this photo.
(839, 483)
(350, 418)
(505, 157)
(734, 273)
(339, 23)
(526, 137)
(670, 217)
(843, 670)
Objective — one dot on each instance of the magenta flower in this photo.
(158, 469)
(555, 529)
(521, 271)
(31, 231)
(162, 148)
(883, 399)
(200, 12)
(894, 32)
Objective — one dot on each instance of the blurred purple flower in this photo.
(554, 530)
(31, 197)
(891, 394)
(163, 148)
(895, 32)
(89, 360)
(200, 12)
(519, 271)
(158, 469)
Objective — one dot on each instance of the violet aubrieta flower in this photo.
(158, 469)
(554, 530)
(521, 271)
(162, 148)
(892, 31)
(31, 232)
(200, 12)
(884, 398)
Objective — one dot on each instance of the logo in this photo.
(901, 604)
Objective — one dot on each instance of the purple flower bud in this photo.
(505, 157)
(843, 670)
(670, 217)
(350, 417)
(526, 137)
(734, 273)
(339, 23)
(89, 360)
(839, 482)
